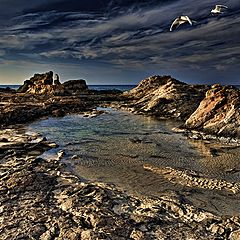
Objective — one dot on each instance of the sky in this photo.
(119, 41)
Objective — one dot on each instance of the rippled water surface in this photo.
(114, 146)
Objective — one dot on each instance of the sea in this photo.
(92, 87)
(98, 87)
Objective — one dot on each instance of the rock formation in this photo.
(39, 83)
(75, 86)
(218, 113)
(45, 84)
(166, 97)
(211, 110)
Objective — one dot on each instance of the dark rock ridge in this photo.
(218, 113)
(44, 84)
(7, 90)
(166, 97)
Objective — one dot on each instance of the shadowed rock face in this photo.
(218, 113)
(75, 86)
(167, 97)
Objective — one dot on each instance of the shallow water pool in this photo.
(114, 146)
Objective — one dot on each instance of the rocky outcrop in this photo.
(207, 110)
(218, 113)
(45, 84)
(38, 84)
(166, 97)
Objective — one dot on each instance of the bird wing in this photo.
(175, 22)
(219, 7)
(189, 20)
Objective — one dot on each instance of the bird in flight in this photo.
(179, 21)
(219, 9)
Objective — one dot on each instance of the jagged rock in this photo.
(218, 113)
(167, 97)
(235, 235)
(45, 84)
(39, 84)
(56, 80)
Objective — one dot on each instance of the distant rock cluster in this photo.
(47, 84)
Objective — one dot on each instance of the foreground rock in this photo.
(208, 110)
(40, 199)
(218, 113)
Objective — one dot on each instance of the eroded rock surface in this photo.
(41, 199)
(211, 110)
(218, 113)
(166, 97)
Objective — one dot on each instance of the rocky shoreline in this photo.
(43, 199)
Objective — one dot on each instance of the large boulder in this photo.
(166, 97)
(218, 113)
(75, 86)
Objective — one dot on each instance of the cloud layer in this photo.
(129, 35)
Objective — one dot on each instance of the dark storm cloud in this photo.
(129, 34)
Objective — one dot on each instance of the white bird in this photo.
(218, 9)
(179, 21)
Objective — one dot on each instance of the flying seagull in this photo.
(218, 9)
(179, 21)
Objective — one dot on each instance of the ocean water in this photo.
(97, 87)
(92, 87)
(10, 86)
(114, 146)
(111, 87)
